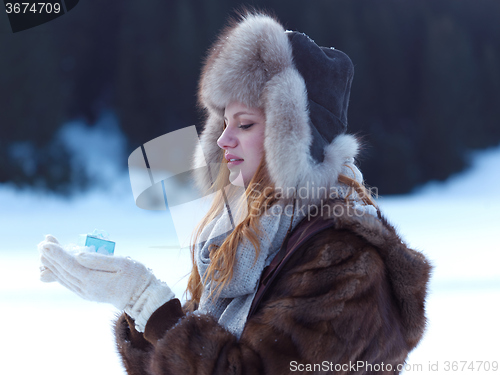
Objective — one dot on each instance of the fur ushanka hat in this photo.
(303, 89)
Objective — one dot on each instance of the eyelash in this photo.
(244, 127)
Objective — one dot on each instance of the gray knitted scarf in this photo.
(234, 302)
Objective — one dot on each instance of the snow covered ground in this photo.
(456, 224)
(48, 330)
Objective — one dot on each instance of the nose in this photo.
(227, 139)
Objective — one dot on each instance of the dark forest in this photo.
(426, 88)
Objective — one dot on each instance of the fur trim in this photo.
(207, 152)
(252, 62)
(243, 60)
(408, 269)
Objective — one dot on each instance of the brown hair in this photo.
(222, 258)
(360, 188)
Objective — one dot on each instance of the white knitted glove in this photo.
(123, 282)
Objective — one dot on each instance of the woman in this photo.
(267, 294)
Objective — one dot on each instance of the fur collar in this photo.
(408, 269)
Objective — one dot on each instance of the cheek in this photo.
(259, 140)
(257, 146)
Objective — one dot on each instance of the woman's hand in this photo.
(126, 284)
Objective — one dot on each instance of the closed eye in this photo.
(245, 126)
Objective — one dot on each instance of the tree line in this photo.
(426, 87)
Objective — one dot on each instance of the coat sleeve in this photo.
(178, 341)
(135, 347)
(331, 305)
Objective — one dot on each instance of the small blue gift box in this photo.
(99, 240)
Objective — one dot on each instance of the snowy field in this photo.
(48, 330)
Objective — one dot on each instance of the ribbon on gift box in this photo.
(102, 234)
(100, 240)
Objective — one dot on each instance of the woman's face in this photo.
(242, 138)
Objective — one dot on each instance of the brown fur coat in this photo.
(354, 292)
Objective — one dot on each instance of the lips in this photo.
(230, 164)
(231, 156)
(236, 160)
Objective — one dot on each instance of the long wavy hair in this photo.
(259, 196)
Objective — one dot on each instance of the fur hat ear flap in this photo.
(288, 136)
(207, 154)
